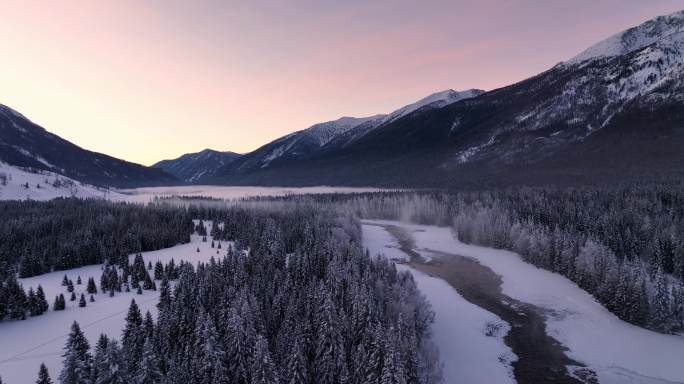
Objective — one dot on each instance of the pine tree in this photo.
(393, 370)
(147, 282)
(148, 372)
(149, 265)
(16, 299)
(82, 302)
(209, 354)
(330, 355)
(77, 360)
(109, 365)
(70, 286)
(78, 280)
(263, 370)
(158, 270)
(148, 326)
(31, 303)
(60, 304)
(661, 317)
(295, 365)
(240, 339)
(92, 299)
(43, 305)
(91, 287)
(73, 296)
(65, 281)
(133, 338)
(43, 375)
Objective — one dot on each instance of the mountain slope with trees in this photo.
(25, 144)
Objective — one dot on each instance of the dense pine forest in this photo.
(39, 237)
(295, 300)
(624, 245)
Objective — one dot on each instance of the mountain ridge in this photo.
(26, 144)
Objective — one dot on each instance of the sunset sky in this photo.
(148, 80)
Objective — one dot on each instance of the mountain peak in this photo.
(662, 28)
(435, 100)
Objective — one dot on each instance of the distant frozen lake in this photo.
(144, 195)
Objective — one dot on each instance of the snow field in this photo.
(17, 178)
(25, 344)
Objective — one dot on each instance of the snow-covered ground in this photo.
(144, 195)
(45, 186)
(468, 354)
(618, 351)
(25, 344)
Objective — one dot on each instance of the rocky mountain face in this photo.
(193, 166)
(25, 144)
(614, 112)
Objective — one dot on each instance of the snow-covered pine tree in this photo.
(661, 310)
(132, 339)
(110, 366)
(330, 354)
(77, 360)
(263, 371)
(295, 370)
(148, 371)
(209, 359)
(91, 287)
(43, 305)
(43, 375)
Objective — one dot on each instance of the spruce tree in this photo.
(133, 338)
(77, 361)
(31, 303)
(82, 301)
(43, 305)
(148, 372)
(263, 371)
(91, 287)
(43, 375)
(109, 365)
(158, 270)
(73, 296)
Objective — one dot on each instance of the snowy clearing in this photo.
(45, 186)
(618, 351)
(25, 344)
(468, 354)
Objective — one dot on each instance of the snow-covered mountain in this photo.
(613, 112)
(667, 30)
(25, 144)
(328, 136)
(435, 100)
(18, 183)
(193, 166)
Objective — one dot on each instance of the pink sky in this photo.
(148, 80)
